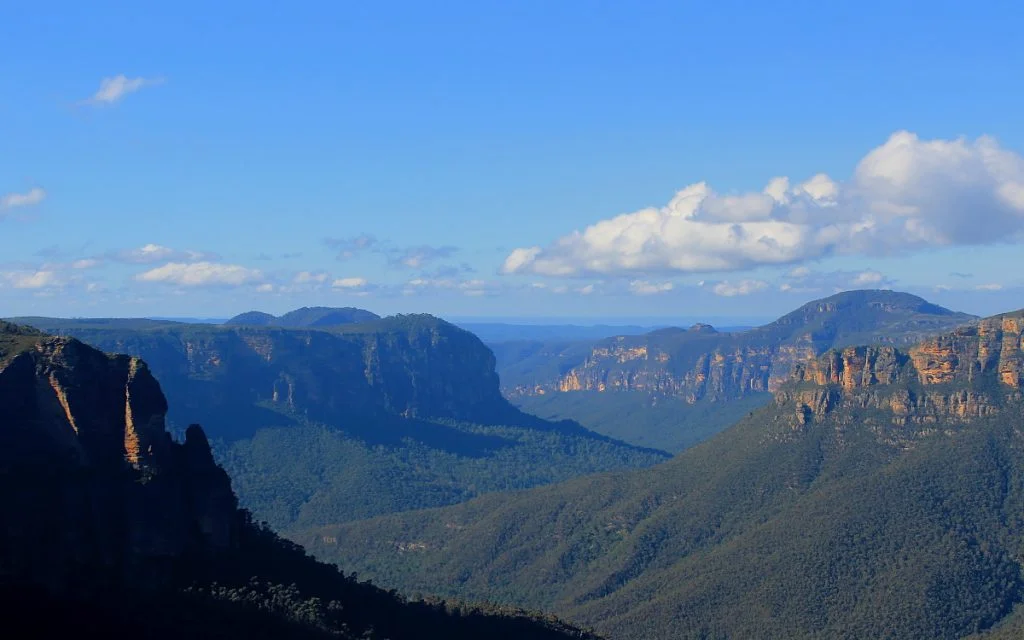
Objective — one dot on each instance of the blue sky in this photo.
(508, 159)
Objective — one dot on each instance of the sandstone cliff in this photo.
(91, 485)
(236, 379)
(702, 363)
(903, 393)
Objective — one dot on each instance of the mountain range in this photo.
(112, 528)
(880, 494)
(673, 387)
(339, 422)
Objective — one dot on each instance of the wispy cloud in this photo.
(14, 200)
(742, 288)
(419, 256)
(646, 288)
(199, 274)
(113, 89)
(30, 279)
(348, 248)
(153, 253)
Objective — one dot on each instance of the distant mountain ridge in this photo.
(703, 367)
(350, 421)
(306, 317)
(700, 362)
(881, 494)
(113, 528)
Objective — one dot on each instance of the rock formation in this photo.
(90, 481)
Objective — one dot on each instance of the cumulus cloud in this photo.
(868, 278)
(311, 277)
(31, 197)
(198, 274)
(30, 279)
(905, 195)
(114, 88)
(741, 288)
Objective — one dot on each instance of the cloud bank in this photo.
(907, 195)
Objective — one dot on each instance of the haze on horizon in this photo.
(530, 161)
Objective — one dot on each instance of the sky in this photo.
(586, 160)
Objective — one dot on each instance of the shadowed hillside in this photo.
(880, 494)
(113, 529)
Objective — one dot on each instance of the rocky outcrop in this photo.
(90, 480)
(236, 379)
(954, 378)
(702, 363)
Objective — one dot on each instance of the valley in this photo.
(874, 471)
(671, 388)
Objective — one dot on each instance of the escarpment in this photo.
(701, 363)
(954, 378)
(235, 379)
(90, 480)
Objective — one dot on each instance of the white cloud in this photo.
(989, 287)
(741, 288)
(154, 253)
(85, 263)
(869, 277)
(311, 277)
(266, 287)
(350, 283)
(905, 195)
(113, 89)
(645, 288)
(39, 279)
(199, 274)
(419, 256)
(474, 287)
(31, 197)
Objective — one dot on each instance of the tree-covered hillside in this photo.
(113, 529)
(700, 372)
(323, 425)
(881, 495)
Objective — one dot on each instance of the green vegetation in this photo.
(15, 339)
(672, 387)
(306, 475)
(357, 420)
(306, 317)
(666, 423)
(110, 540)
(848, 524)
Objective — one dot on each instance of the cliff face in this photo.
(236, 379)
(88, 475)
(702, 363)
(957, 377)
